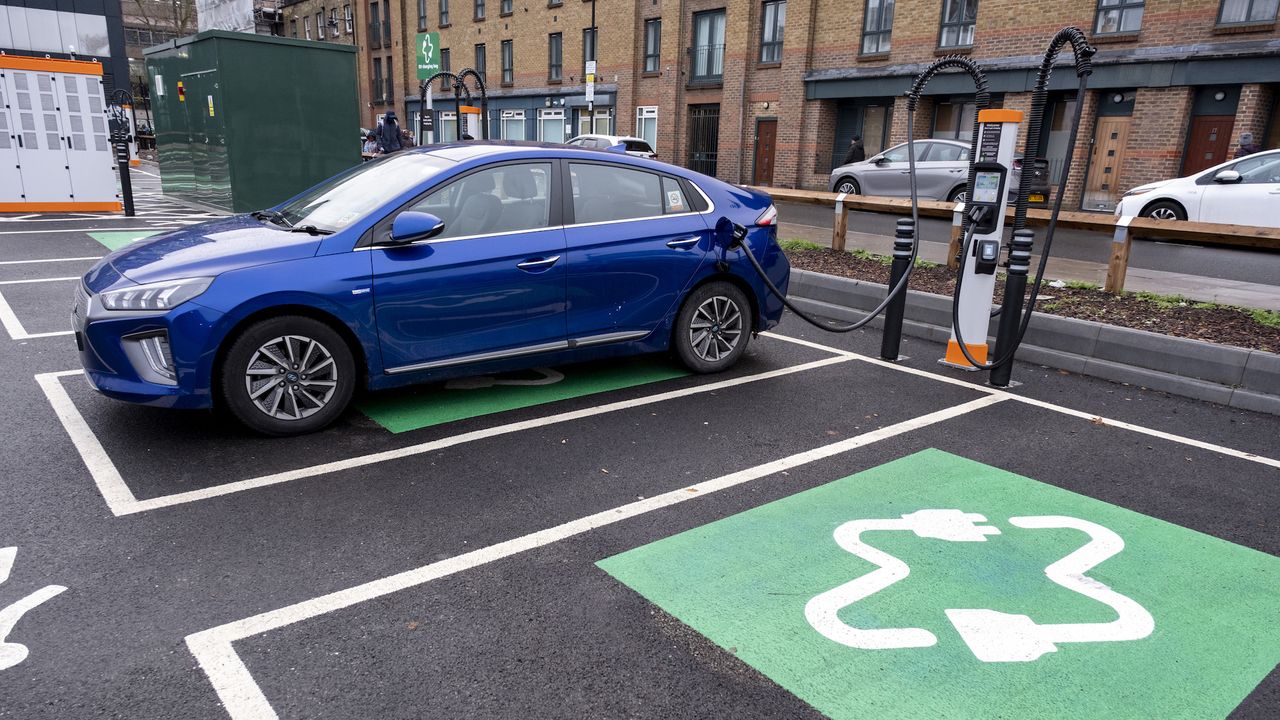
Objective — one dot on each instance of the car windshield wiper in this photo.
(273, 215)
(311, 230)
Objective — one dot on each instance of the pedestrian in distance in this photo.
(389, 134)
(370, 147)
(1247, 145)
(856, 152)
(406, 138)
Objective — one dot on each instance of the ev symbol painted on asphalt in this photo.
(548, 376)
(991, 635)
(12, 653)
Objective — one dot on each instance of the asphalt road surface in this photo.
(629, 540)
(1246, 265)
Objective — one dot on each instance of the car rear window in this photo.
(638, 146)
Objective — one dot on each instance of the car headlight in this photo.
(155, 296)
(1137, 191)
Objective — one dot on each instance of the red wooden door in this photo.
(766, 140)
(1209, 142)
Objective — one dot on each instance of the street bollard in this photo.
(1015, 285)
(903, 240)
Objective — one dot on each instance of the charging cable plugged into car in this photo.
(992, 155)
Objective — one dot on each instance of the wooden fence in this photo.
(1122, 229)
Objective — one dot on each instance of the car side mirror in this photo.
(1227, 177)
(410, 226)
(880, 160)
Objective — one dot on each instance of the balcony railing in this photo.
(707, 63)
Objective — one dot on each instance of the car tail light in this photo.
(768, 217)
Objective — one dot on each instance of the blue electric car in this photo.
(428, 264)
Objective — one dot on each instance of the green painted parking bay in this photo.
(417, 408)
(935, 586)
(115, 239)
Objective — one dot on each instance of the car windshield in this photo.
(349, 196)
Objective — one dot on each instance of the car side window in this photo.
(942, 152)
(1262, 173)
(506, 198)
(673, 196)
(899, 154)
(638, 146)
(602, 193)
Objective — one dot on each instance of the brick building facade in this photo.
(771, 91)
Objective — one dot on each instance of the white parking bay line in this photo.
(49, 260)
(243, 699)
(38, 280)
(13, 325)
(1181, 439)
(121, 501)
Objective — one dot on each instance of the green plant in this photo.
(1082, 285)
(926, 264)
(795, 245)
(1164, 302)
(1270, 318)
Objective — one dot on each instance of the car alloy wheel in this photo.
(716, 328)
(847, 187)
(1164, 213)
(291, 377)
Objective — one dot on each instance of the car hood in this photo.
(1152, 186)
(209, 249)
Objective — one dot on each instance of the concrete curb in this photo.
(1232, 376)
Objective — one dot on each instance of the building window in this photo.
(647, 125)
(953, 120)
(652, 45)
(774, 21)
(320, 25)
(375, 33)
(958, 18)
(551, 126)
(1118, 16)
(444, 67)
(555, 3)
(877, 26)
(480, 63)
(600, 126)
(555, 56)
(511, 125)
(346, 13)
(708, 46)
(1247, 11)
(293, 28)
(447, 130)
(479, 9)
(588, 48)
(386, 24)
(422, 15)
(306, 27)
(505, 7)
(333, 22)
(378, 88)
(390, 94)
(444, 13)
(508, 62)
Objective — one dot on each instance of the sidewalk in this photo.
(1194, 287)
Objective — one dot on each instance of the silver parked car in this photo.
(942, 169)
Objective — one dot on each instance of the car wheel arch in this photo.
(310, 311)
(857, 186)
(1171, 201)
(734, 280)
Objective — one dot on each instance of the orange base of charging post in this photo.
(956, 357)
(34, 207)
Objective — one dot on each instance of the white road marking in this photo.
(13, 325)
(89, 230)
(120, 499)
(1192, 442)
(49, 260)
(243, 699)
(38, 280)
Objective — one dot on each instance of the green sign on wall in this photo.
(935, 586)
(428, 54)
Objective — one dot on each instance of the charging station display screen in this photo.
(986, 187)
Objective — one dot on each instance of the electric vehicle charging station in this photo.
(987, 199)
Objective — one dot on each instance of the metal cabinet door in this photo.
(41, 149)
(10, 175)
(89, 154)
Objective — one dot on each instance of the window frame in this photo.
(478, 10)
(378, 86)
(349, 18)
(481, 61)
(445, 62)
(505, 8)
(422, 15)
(555, 57)
(779, 28)
(1123, 7)
(648, 112)
(943, 25)
(508, 59)
(306, 27)
(444, 13)
(689, 188)
(653, 52)
(707, 78)
(1222, 7)
(883, 32)
(546, 115)
(320, 25)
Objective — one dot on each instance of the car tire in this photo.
(958, 195)
(848, 186)
(314, 376)
(713, 328)
(1164, 210)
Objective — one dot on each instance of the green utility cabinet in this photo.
(245, 121)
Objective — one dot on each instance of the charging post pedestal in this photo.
(985, 206)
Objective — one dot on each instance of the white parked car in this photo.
(635, 146)
(1244, 191)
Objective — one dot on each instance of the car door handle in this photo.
(539, 264)
(683, 242)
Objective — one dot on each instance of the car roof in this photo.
(472, 150)
(614, 138)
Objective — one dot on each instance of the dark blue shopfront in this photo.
(547, 115)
